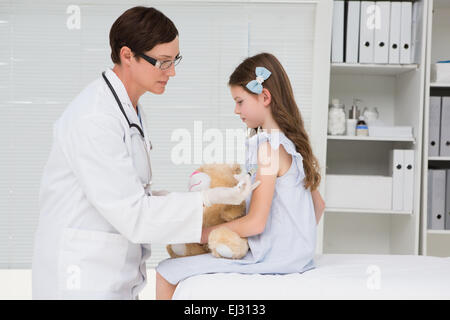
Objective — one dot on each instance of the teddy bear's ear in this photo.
(236, 168)
(201, 169)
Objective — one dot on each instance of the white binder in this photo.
(416, 31)
(367, 31)
(396, 170)
(434, 126)
(337, 40)
(436, 199)
(408, 180)
(444, 148)
(394, 36)
(405, 33)
(447, 202)
(381, 42)
(352, 36)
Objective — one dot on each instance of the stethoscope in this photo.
(149, 181)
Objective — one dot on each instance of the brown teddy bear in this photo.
(222, 242)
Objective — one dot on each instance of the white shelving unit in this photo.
(373, 69)
(438, 158)
(434, 242)
(439, 85)
(443, 232)
(366, 211)
(368, 138)
(397, 92)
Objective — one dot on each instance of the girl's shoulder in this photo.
(275, 139)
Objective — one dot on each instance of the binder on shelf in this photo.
(434, 127)
(416, 33)
(408, 178)
(436, 199)
(381, 36)
(394, 34)
(405, 33)
(337, 40)
(447, 202)
(397, 172)
(352, 33)
(444, 149)
(367, 31)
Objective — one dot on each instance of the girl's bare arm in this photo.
(319, 204)
(255, 221)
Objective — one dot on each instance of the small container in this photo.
(353, 113)
(440, 71)
(351, 127)
(361, 127)
(370, 115)
(336, 118)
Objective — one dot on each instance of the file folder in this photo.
(444, 149)
(381, 42)
(447, 201)
(436, 199)
(405, 33)
(396, 170)
(434, 128)
(408, 178)
(352, 32)
(416, 31)
(394, 36)
(367, 31)
(337, 40)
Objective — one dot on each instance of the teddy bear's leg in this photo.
(176, 250)
(224, 251)
(184, 250)
(194, 249)
(225, 243)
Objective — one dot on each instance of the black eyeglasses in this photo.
(163, 65)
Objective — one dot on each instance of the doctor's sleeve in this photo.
(100, 160)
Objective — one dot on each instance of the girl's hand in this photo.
(233, 196)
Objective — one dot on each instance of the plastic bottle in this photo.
(361, 127)
(336, 118)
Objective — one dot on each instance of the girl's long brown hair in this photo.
(283, 108)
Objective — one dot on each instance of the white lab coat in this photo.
(96, 221)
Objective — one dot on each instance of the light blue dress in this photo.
(288, 242)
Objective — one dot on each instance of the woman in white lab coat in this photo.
(98, 213)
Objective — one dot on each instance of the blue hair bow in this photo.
(262, 74)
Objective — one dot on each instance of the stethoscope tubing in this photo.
(129, 123)
(121, 107)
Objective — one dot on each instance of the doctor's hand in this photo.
(233, 196)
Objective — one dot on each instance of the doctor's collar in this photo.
(119, 87)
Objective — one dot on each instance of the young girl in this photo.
(283, 211)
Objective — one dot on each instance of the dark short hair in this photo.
(140, 29)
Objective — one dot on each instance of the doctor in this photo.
(98, 213)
